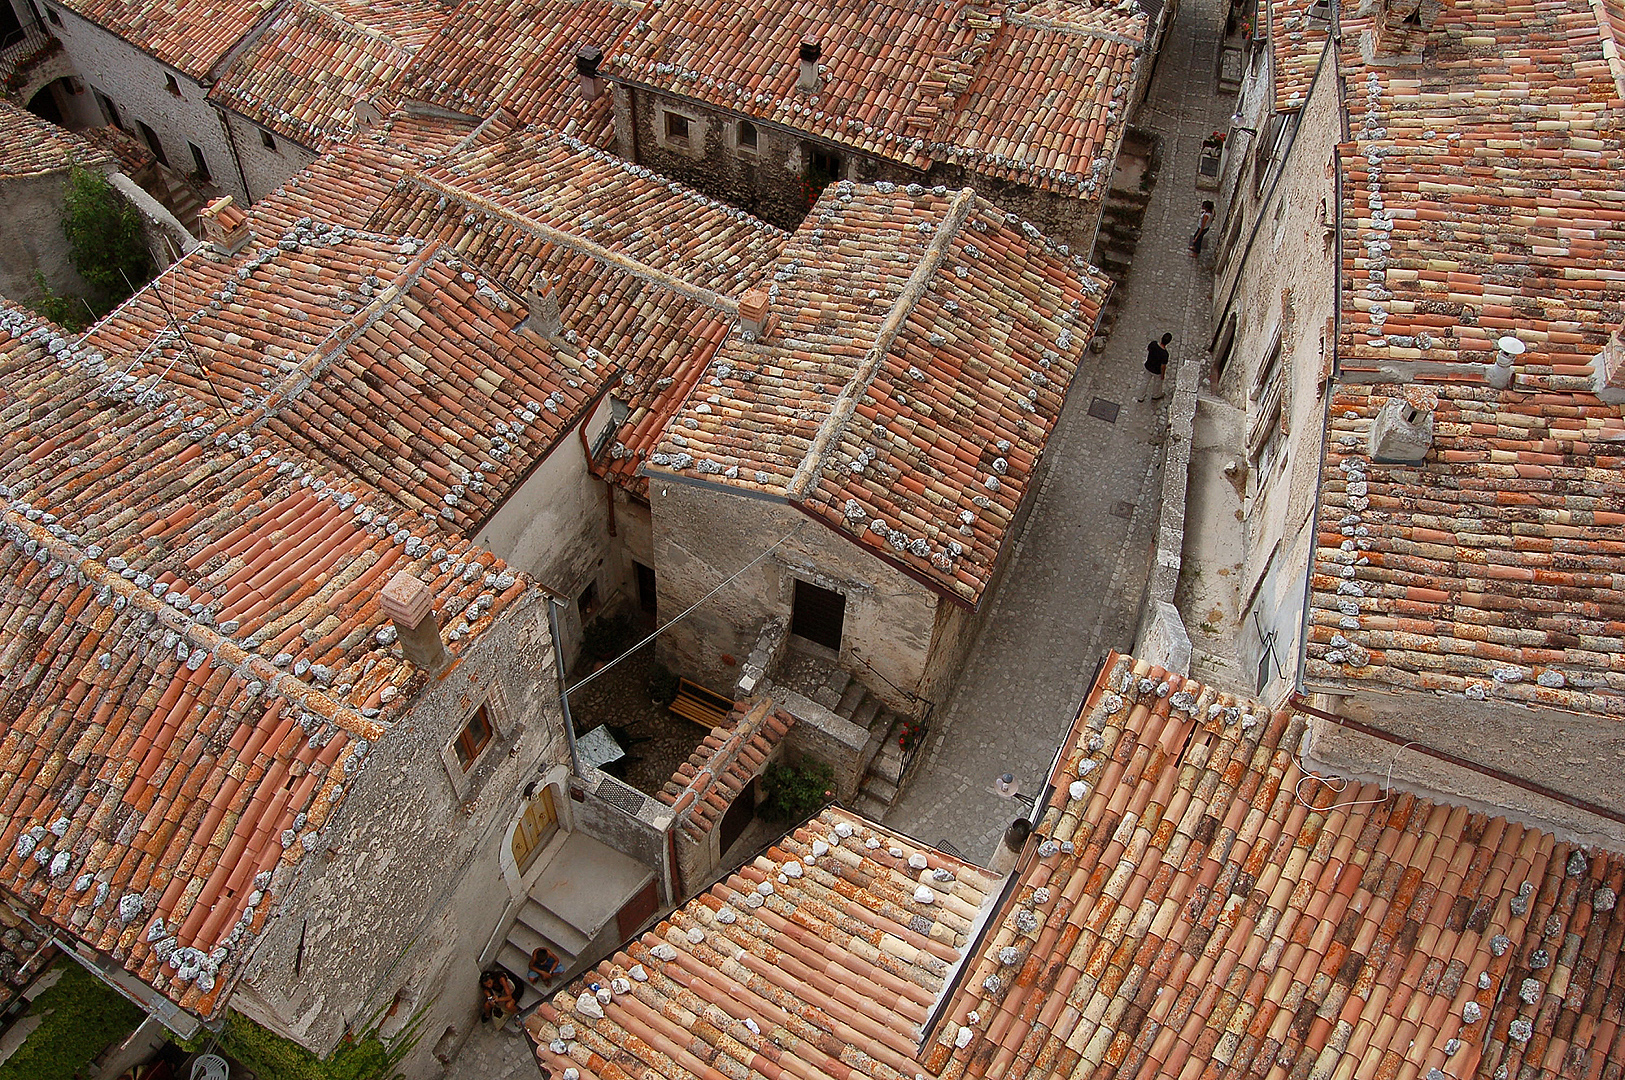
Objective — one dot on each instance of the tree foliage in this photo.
(105, 241)
(797, 792)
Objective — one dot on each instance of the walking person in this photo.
(1204, 221)
(1156, 362)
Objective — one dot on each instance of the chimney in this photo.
(369, 112)
(588, 57)
(225, 226)
(753, 314)
(810, 52)
(544, 312)
(1509, 349)
(1403, 430)
(1608, 369)
(410, 605)
(1399, 31)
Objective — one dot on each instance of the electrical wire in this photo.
(663, 627)
(1339, 785)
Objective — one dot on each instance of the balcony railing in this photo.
(20, 50)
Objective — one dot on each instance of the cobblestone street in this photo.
(1080, 567)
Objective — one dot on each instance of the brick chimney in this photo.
(544, 311)
(588, 57)
(1399, 31)
(754, 311)
(1403, 429)
(410, 605)
(225, 226)
(808, 80)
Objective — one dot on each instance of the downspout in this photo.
(236, 155)
(581, 430)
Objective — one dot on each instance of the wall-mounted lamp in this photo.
(1236, 125)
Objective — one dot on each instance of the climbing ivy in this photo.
(81, 1017)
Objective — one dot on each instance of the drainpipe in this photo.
(236, 156)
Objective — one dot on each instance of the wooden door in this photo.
(536, 828)
(818, 615)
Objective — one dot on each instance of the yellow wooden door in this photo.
(536, 828)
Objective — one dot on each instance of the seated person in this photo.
(543, 964)
(499, 1002)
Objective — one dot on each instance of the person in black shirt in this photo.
(1156, 362)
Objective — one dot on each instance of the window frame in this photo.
(202, 172)
(468, 745)
(752, 148)
(669, 125)
(268, 141)
(171, 85)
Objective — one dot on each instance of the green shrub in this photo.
(797, 792)
(271, 1057)
(82, 1017)
(105, 241)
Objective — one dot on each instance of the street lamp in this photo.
(1236, 125)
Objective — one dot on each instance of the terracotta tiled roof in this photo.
(1022, 93)
(189, 35)
(713, 776)
(1048, 102)
(492, 54)
(819, 960)
(303, 77)
(1494, 568)
(30, 146)
(1297, 43)
(640, 267)
(121, 147)
(1199, 907)
(923, 347)
(1480, 193)
(195, 661)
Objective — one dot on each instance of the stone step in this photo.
(888, 764)
(870, 807)
(553, 928)
(882, 791)
(864, 715)
(851, 698)
(829, 694)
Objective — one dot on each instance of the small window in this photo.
(267, 140)
(201, 162)
(50, 13)
(747, 136)
(150, 137)
(171, 85)
(677, 127)
(587, 602)
(475, 737)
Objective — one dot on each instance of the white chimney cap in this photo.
(1511, 346)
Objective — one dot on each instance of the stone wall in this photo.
(402, 893)
(31, 237)
(766, 182)
(1279, 279)
(264, 168)
(135, 81)
(704, 534)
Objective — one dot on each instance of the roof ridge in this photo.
(1610, 44)
(1032, 22)
(581, 245)
(350, 24)
(845, 404)
(245, 665)
(338, 340)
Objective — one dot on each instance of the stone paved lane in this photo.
(1080, 570)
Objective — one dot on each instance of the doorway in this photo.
(646, 587)
(538, 825)
(738, 818)
(819, 615)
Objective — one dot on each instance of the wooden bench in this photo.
(694, 702)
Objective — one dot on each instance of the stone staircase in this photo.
(849, 699)
(537, 926)
(1121, 216)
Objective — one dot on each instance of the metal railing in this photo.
(19, 47)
